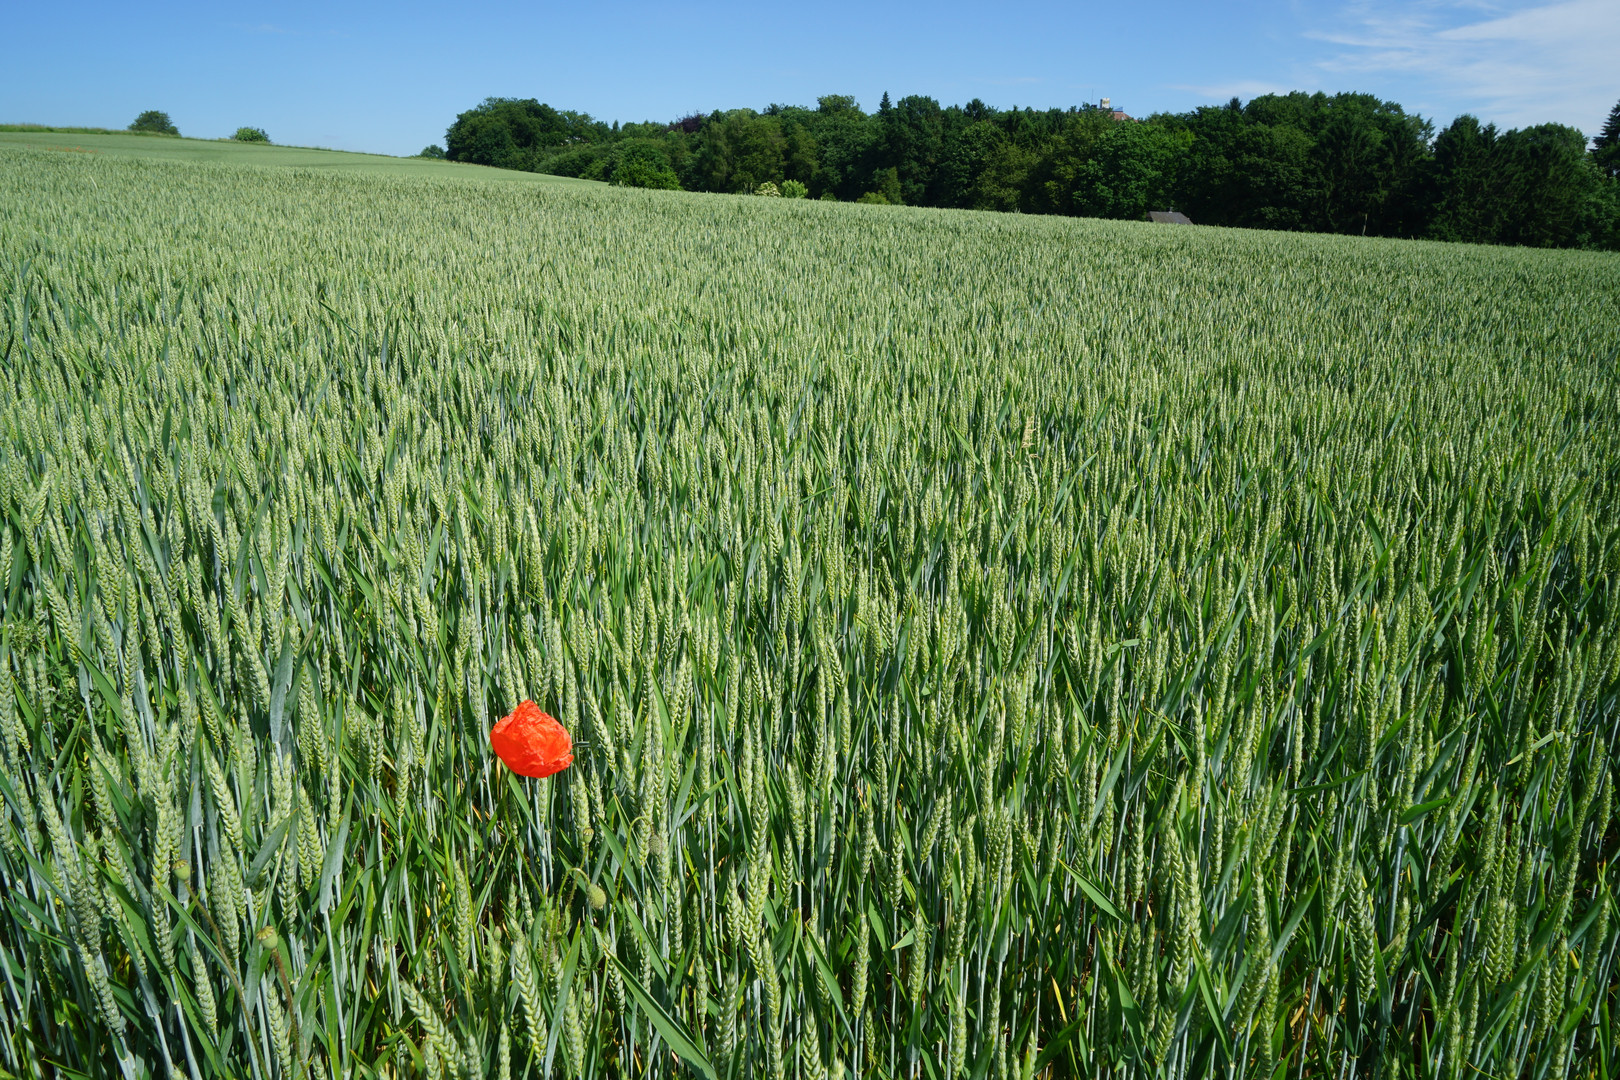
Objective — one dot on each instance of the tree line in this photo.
(1342, 163)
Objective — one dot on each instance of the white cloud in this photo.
(1529, 65)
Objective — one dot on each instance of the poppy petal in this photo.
(532, 743)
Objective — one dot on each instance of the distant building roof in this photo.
(1169, 217)
(1119, 115)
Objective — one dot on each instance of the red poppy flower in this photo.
(532, 743)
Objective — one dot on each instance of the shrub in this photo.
(250, 134)
(827, 196)
(154, 122)
(575, 162)
(640, 163)
(874, 198)
(643, 175)
(769, 190)
(888, 185)
(792, 189)
(434, 151)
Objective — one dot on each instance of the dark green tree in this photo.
(736, 151)
(483, 139)
(1341, 163)
(1207, 174)
(154, 122)
(1063, 160)
(1244, 171)
(1132, 169)
(1464, 187)
(972, 160)
(843, 144)
(912, 140)
(1546, 182)
(838, 105)
(1347, 163)
(800, 147)
(1600, 218)
(1369, 158)
(1273, 181)
(1606, 147)
(519, 133)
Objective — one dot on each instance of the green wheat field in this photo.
(995, 646)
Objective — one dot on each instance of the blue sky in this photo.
(391, 77)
